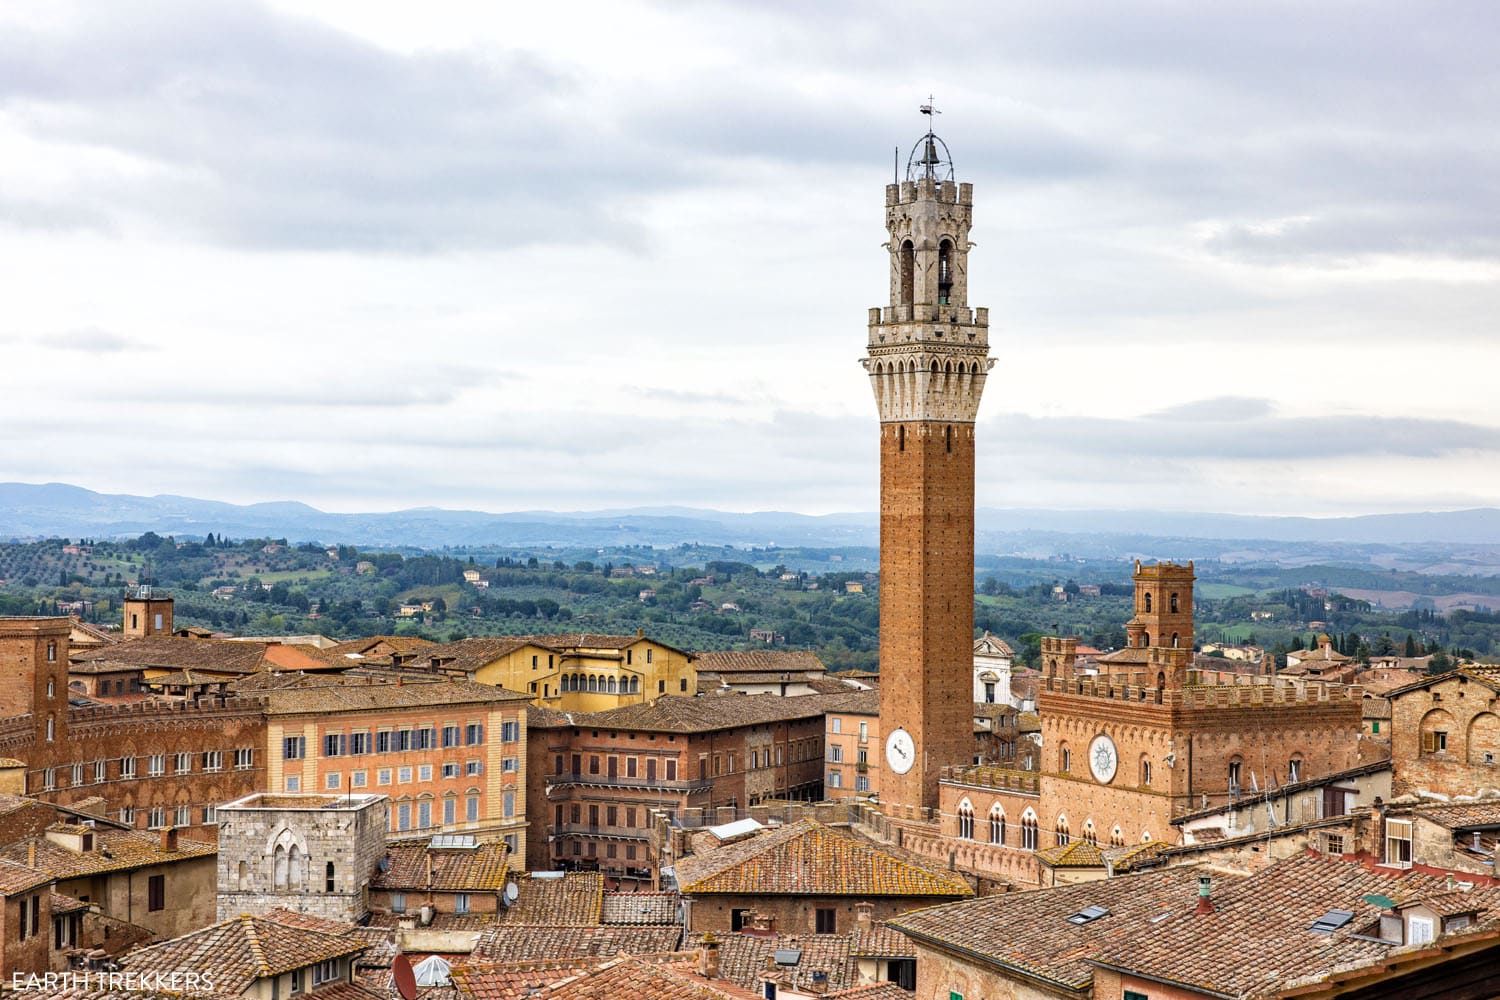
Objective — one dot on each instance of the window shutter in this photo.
(1429, 742)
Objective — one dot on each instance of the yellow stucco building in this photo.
(572, 673)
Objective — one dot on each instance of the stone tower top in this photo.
(1163, 606)
(928, 350)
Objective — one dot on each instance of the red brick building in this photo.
(596, 777)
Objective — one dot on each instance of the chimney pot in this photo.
(1205, 904)
(708, 964)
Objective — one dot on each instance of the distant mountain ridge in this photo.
(59, 509)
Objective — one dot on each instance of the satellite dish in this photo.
(511, 894)
(406, 980)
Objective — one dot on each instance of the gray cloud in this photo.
(1212, 431)
(93, 340)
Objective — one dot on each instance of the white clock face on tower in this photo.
(900, 751)
(1103, 759)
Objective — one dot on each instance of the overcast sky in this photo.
(1239, 258)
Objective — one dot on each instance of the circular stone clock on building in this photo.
(1103, 759)
(900, 751)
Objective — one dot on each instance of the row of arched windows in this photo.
(996, 832)
(945, 368)
(600, 683)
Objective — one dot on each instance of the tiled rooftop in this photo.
(412, 865)
(228, 656)
(242, 950)
(517, 980)
(743, 957)
(363, 694)
(705, 713)
(1269, 916)
(575, 899)
(114, 850)
(506, 942)
(760, 661)
(16, 878)
(631, 976)
(641, 908)
(1459, 815)
(1029, 932)
(808, 858)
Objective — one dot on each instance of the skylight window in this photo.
(1332, 921)
(1088, 915)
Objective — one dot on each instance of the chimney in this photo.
(708, 958)
(169, 838)
(428, 856)
(864, 914)
(31, 854)
(1205, 905)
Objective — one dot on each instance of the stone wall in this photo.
(347, 833)
(1466, 712)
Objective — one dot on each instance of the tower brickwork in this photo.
(928, 358)
(1163, 606)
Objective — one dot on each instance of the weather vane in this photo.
(930, 108)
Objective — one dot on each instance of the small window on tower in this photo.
(900, 437)
(945, 271)
(948, 437)
(908, 272)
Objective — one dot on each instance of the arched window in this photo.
(635, 685)
(1236, 766)
(900, 437)
(997, 824)
(51, 729)
(294, 864)
(1172, 603)
(965, 820)
(244, 875)
(51, 651)
(279, 867)
(567, 682)
(1145, 639)
(593, 683)
(612, 686)
(1175, 640)
(1117, 837)
(1145, 773)
(1067, 758)
(948, 437)
(51, 686)
(1089, 833)
(908, 265)
(1148, 602)
(328, 877)
(945, 271)
(1437, 728)
(1294, 769)
(1060, 831)
(1146, 837)
(1028, 830)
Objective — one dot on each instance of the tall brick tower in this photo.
(927, 361)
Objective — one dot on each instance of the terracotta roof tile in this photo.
(518, 980)
(575, 899)
(481, 868)
(705, 713)
(1270, 916)
(507, 942)
(114, 851)
(641, 908)
(744, 957)
(808, 858)
(872, 991)
(1029, 931)
(366, 694)
(242, 950)
(632, 976)
(16, 878)
(761, 661)
(1460, 815)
